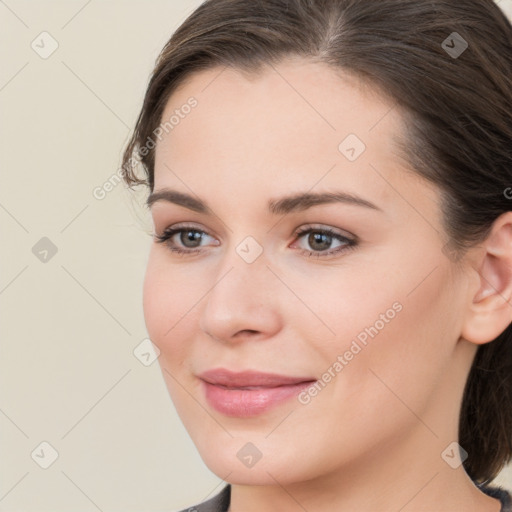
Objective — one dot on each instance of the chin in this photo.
(231, 461)
(235, 473)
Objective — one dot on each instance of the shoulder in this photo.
(219, 503)
(499, 493)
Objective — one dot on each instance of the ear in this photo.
(490, 308)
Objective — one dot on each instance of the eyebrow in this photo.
(293, 203)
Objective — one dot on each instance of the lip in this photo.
(249, 393)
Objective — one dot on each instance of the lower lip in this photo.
(244, 403)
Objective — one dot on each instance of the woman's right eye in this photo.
(182, 240)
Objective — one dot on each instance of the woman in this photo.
(330, 281)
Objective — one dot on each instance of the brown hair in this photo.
(457, 109)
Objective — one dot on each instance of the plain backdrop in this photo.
(73, 386)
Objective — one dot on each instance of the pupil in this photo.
(323, 240)
(190, 237)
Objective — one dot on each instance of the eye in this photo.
(183, 239)
(321, 241)
(186, 240)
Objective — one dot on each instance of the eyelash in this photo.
(349, 243)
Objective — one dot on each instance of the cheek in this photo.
(399, 348)
(396, 324)
(168, 304)
(156, 303)
(368, 396)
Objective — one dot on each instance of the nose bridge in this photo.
(243, 276)
(245, 261)
(242, 296)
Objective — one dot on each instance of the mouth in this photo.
(249, 393)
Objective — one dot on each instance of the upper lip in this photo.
(228, 378)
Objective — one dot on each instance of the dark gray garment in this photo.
(220, 503)
(500, 494)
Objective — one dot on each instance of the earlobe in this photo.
(490, 308)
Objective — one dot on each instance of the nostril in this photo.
(247, 331)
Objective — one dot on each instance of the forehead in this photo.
(295, 97)
(289, 126)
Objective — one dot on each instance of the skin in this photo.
(372, 438)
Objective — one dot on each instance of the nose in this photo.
(243, 302)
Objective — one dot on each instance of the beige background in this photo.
(70, 323)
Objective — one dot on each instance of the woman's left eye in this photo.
(187, 240)
(321, 240)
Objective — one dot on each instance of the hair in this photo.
(457, 110)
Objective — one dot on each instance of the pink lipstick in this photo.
(249, 393)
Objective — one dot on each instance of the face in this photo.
(308, 250)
